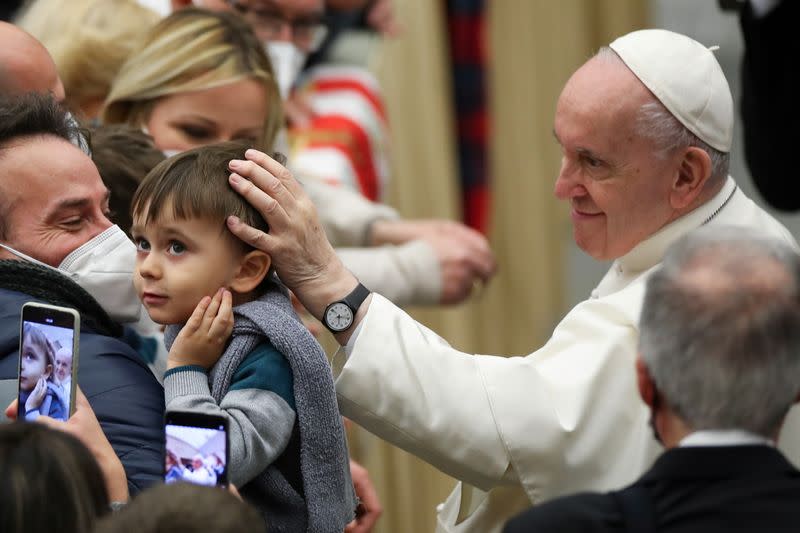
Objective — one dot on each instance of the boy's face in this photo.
(34, 365)
(178, 262)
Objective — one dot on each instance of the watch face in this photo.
(338, 317)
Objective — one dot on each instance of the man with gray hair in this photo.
(645, 129)
(719, 369)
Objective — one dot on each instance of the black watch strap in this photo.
(356, 298)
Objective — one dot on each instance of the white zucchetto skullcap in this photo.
(685, 76)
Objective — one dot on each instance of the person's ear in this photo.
(647, 387)
(48, 371)
(694, 170)
(253, 267)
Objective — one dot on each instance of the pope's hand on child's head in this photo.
(202, 340)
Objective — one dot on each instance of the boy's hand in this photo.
(36, 396)
(202, 340)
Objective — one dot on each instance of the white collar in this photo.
(650, 251)
(724, 437)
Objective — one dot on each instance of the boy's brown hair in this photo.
(195, 184)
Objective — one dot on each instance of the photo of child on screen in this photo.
(39, 394)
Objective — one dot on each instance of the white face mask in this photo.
(287, 62)
(104, 267)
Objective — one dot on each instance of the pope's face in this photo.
(617, 188)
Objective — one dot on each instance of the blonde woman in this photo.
(202, 77)
(88, 40)
(198, 77)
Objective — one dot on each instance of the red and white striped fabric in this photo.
(346, 142)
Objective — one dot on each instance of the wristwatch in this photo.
(340, 314)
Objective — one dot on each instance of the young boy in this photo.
(273, 382)
(37, 391)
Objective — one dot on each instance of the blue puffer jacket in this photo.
(125, 396)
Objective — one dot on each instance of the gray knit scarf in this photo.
(324, 462)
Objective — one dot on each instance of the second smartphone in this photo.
(48, 361)
(197, 448)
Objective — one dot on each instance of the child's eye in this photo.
(142, 245)
(176, 248)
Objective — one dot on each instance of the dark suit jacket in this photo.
(769, 102)
(692, 489)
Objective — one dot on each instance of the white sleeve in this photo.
(565, 417)
(407, 274)
(345, 215)
(408, 386)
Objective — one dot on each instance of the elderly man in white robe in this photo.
(645, 129)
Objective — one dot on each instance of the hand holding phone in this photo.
(48, 361)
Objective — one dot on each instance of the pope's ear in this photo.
(252, 271)
(694, 171)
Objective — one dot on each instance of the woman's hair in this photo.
(192, 50)
(50, 483)
(186, 508)
(33, 336)
(89, 41)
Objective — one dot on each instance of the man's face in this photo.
(63, 365)
(179, 261)
(54, 199)
(617, 188)
(262, 14)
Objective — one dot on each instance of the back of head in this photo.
(194, 184)
(89, 41)
(123, 156)
(25, 64)
(720, 330)
(186, 508)
(50, 482)
(192, 50)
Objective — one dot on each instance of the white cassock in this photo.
(519, 430)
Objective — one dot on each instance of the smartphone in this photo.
(197, 448)
(48, 361)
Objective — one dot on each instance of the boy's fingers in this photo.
(222, 325)
(197, 315)
(213, 308)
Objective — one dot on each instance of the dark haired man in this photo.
(57, 246)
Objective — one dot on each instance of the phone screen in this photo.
(46, 362)
(197, 449)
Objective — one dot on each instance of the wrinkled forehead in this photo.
(603, 84)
